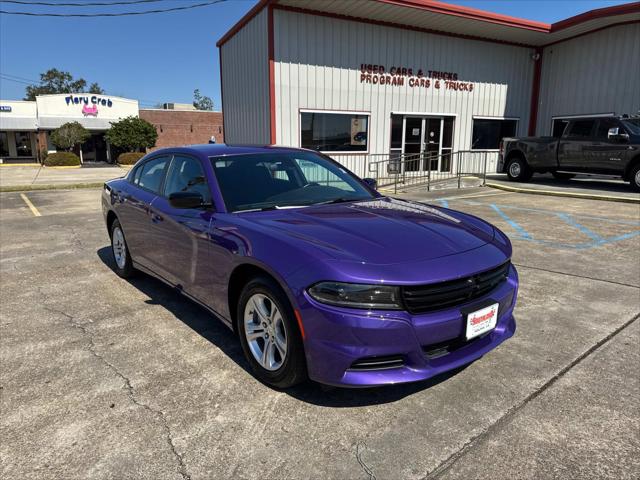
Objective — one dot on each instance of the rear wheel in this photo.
(124, 265)
(634, 178)
(269, 334)
(518, 170)
(562, 176)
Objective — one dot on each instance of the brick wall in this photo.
(176, 127)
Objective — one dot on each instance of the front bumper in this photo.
(339, 340)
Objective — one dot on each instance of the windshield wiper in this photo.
(338, 200)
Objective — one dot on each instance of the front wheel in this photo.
(634, 180)
(518, 170)
(269, 334)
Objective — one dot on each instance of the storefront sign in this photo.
(5, 108)
(89, 103)
(86, 100)
(414, 78)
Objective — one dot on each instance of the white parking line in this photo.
(475, 195)
(31, 206)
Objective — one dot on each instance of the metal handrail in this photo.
(416, 168)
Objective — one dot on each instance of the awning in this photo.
(50, 123)
(18, 123)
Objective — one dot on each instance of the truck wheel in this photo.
(634, 178)
(518, 170)
(562, 176)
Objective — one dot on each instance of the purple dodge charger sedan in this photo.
(320, 276)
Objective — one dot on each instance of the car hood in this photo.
(378, 231)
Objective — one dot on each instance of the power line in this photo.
(88, 4)
(2, 77)
(121, 14)
(19, 78)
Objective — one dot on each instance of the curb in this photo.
(555, 193)
(61, 186)
(20, 165)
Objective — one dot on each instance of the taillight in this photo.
(501, 148)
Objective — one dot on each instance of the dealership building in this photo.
(26, 126)
(363, 80)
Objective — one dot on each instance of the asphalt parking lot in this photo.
(105, 378)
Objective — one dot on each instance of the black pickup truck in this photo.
(599, 146)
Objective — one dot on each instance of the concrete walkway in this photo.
(37, 177)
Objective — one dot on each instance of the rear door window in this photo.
(581, 129)
(152, 174)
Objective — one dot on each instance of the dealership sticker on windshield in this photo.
(482, 321)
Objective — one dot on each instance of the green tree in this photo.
(57, 81)
(132, 133)
(69, 135)
(201, 102)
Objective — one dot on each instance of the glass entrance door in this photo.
(413, 147)
(432, 142)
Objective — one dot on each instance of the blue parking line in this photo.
(444, 203)
(552, 212)
(589, 233)
(521, 231)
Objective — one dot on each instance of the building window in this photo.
(334, 132)
(489, 132)
(4, 145)
(23, 144)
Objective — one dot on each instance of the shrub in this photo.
(132, 133)
(62, 159)
(130, 158)
(69, 135)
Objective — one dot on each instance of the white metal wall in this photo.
(317, 66)
(245, 84)
(595, 73)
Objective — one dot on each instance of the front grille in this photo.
(436, 296)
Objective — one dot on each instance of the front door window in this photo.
(23, 144)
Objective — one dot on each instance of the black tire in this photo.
(562, 176)
(634, 178)
(123, 265)
(518, 170)
(293, 369)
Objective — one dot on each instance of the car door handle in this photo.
(155, 218)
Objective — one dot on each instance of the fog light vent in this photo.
(378, 363)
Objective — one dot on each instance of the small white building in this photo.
(363, 80)
(25, 126)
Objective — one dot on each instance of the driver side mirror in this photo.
(372, 182)
(614, 135)
(186, 200)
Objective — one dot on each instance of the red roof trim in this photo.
(472, 13)
(595, 14)
(397, 25)
(257, 8)
(464, 12)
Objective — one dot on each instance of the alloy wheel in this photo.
(119, 248)
(265, 331)
(515, 169)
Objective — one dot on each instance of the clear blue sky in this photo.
(164, 57)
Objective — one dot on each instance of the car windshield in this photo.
(633, 125)
(265, 181)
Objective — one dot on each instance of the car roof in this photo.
(221, 149)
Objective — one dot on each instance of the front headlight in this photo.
(353, 295)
